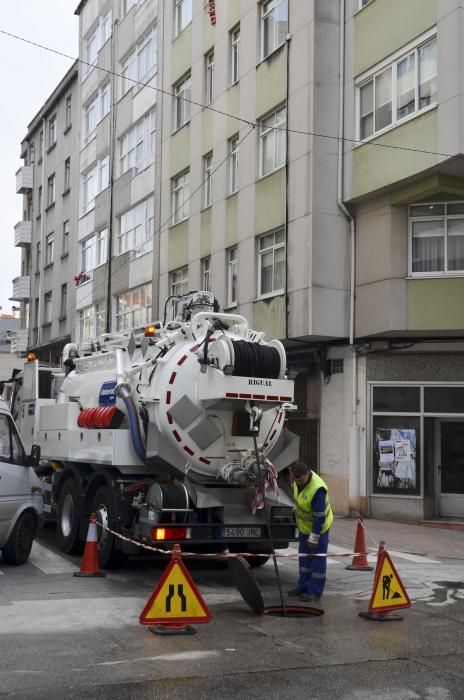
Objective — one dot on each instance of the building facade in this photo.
(302, 160)
(48, 183)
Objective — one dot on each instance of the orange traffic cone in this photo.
(359, 562)
(90, 565)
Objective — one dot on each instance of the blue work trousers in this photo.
(313, 569)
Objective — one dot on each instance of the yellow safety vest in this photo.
(303, 508)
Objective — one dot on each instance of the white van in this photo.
(21, 498)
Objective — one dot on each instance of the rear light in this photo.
(170, 533)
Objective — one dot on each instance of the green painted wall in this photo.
(269, 316)
(270, 202)
(208, 126)
(178, 246)
(181, 54)
(375, 167)
(205, 233)
(436, 304)
(271, 78)
(384, 26)
(233, 9)
(180, 150)
(232, 220)
(233, 107)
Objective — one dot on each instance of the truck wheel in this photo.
(68, 518)
(102, 505)
(18, 547)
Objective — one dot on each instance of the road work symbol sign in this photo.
(175, 599)
(388, 592)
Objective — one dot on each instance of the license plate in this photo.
(241, 532)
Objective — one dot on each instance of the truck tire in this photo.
(67, 520)
(19, 545)
(102, 505)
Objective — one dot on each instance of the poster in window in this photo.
(396, 453)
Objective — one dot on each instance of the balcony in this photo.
(19, 341)
(24, 179)
(21, 288)
(23, 234)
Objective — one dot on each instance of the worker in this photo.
(314, 517)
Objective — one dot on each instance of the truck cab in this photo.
(21, 499)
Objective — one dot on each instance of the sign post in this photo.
(175, 601)
(388, 592)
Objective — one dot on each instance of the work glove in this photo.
(312, 541)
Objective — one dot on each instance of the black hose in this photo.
(253, 360)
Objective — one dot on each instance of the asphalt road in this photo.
(66, 637)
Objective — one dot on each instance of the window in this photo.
(94, 181)
(273, 141)
(180, 197)
(41, 144)
(206, 274)
(207, 180)
(65, 245)
(234, 38)
(128, 5)
(436, 238)
(233, 164)
(52, 131)
(67, 174)
(182, 102)
(209, 77)
(183, 15)
(404, 88)
(95, 109)
(48, 307)
(363, 3)
(39, 200)
(271, 262)
(137, 146)
(94, 250)
(92, 321)
(31, 153)
(49, 248)
(37, 257)
(51, 190)
(68, 112)
(136, 227)
(11, 450)
(274, 25)
(232, 276)
(140, 65)
(95, 39)
(179, 281)
(133, 308)
(64, 300)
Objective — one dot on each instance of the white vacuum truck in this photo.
(174, 434)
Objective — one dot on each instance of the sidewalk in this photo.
(403, 536)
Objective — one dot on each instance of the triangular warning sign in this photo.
(175, 598)
(388, 592)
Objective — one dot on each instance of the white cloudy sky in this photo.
(28, 75)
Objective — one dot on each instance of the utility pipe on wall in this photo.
(355, 488)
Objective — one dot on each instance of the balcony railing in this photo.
(23, 234)
(19, 341)
(21, 288)
(24, 179)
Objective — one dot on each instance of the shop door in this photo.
(450, 476)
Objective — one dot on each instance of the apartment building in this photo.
(117, 212)
(48, 183)
(403, 186)
(302, 160)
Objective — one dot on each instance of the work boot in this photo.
(310, 597)
(295, 592)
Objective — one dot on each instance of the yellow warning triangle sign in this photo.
(388, 592)
(175, 599)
